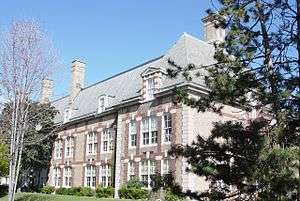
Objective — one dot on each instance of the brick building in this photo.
(122, 127)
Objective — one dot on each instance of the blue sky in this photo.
(110, 36)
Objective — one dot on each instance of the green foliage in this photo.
(256, 69)
(4, 159)
(105, 192)
(86, 191)
(170, 196)
(47, 189)
(3, 190)
(133, 190)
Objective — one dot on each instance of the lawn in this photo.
(47, 197)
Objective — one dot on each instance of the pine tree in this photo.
(256, 69)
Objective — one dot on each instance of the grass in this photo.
(47, 197)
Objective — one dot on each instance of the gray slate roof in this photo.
(128, 84)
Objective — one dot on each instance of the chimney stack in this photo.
(77, 80)
(211, 32)
(47, 90)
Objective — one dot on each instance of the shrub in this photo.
(133, 193)
(3, 190)
(47, 189)
(75, 191)
(169, 196)
(62, 191)
(86, 191)
(134, 184)
(105, 192)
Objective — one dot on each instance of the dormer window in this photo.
(102, 103)
(67, 115)
(152, 80)
(150, 88)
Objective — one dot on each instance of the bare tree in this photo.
(26, 58)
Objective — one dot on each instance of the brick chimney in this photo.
(211, 32)
(77, 80)
(47, 90)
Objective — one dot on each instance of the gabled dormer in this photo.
(102, 103)
(152, 80)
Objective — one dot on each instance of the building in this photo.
(122, 127)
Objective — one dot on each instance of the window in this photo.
(68, 177)
(56, 177)
(147, 171)
(132, 134)
(90, 175)
(131, 171)
(102, 104)
(107, 140)
(92, 143)
(167, 127)
(69, 147)
(58, 149)
(106, 175)
(67, 115)
(150, 88)
(166, 166)
(149, 130)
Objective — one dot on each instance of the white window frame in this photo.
(102, 105)
(91, 142)
(166, 164)
(58, 148)
(105, 173)
(130, 170)
(147, 168)
(167, 129)
(56, 177)
(67, 115)
(69, 147)
(90, 176)
(67, 181)
(107, 136)
(132, 132)
(149, 128)
(150, 88)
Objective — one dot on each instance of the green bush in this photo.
(133, 193)
(62, 191)
(134, 184)
(75, 191)
(169, 196)
(47, 189)
(105, 192)
(86, 191)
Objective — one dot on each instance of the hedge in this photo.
(47, 189)
(133, 193)
(105, 192)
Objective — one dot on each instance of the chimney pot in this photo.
(211, 32)
(77, 80)
(47, 90)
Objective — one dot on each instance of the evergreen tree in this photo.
(256, 69)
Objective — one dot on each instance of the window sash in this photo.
(132, 134)
(167, 127)
(149, 130)
(107, 140)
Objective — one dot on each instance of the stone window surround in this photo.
(58, 148)
(56, 179)
(109, 140)
(68, 173)
(105, 171)
(93, 142)
(91, 174)
(71, 145)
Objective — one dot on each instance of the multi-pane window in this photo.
(166, 166)
(149, 130)
(167, 127)
(90, 176)
(132, 134)
(131, 171)
(107, 140)
(150, 88)
(68, 176)
(56, 177)
(69, 147)
(91, 143)
(101, 107)
(147, 171)
(58, 148)
(105, 175)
